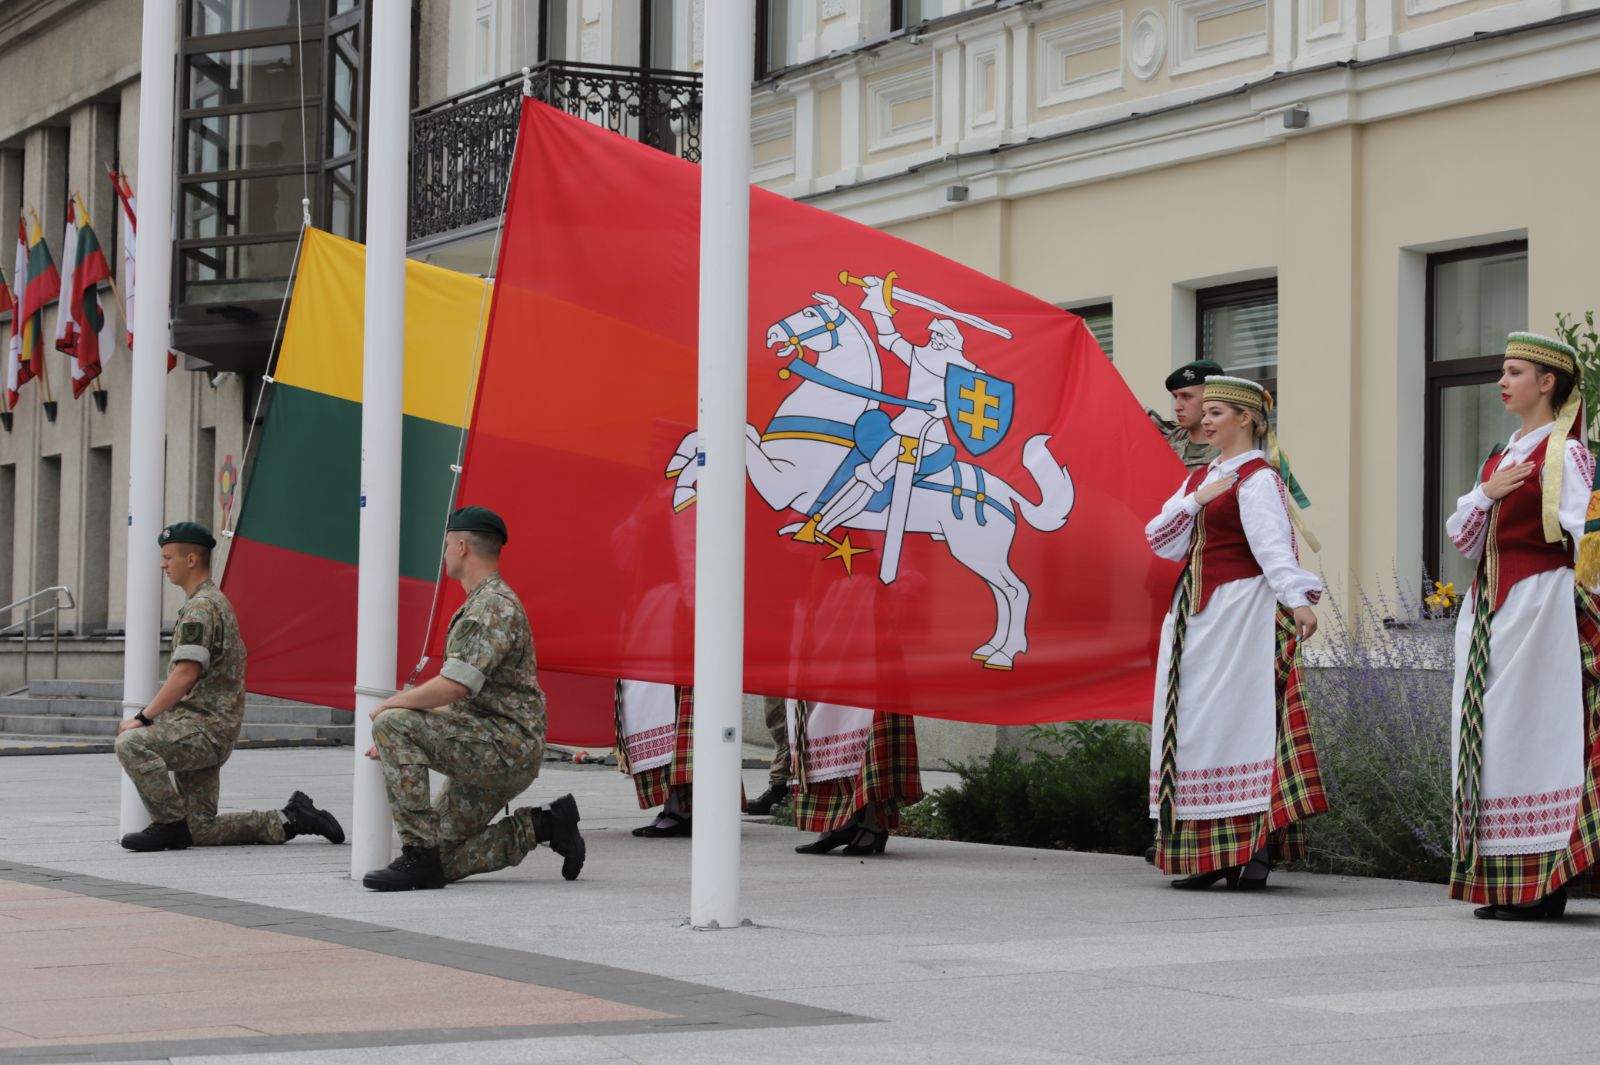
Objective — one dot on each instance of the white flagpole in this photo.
(719, 517)
(382, 383)
(141, 649)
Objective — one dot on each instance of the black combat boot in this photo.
(557, 827)
(171, 836)
(763, 804)
(302, 818)
(417, 869)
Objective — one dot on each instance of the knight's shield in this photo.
(980, 408)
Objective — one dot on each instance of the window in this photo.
(1237, 327)
(1098, 318)
(655, 39)
(778, 30)
(270, 112)
(905, 13)
(1475, 297)
(553, 19)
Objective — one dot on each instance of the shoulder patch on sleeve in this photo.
(190, 632)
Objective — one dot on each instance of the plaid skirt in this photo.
(888, 775)
(1521, 879)
(655, 785)
(1203, 846)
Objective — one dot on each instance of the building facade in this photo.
(1351, 200)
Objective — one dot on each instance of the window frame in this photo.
(1237, 293)
(1104, 308)
(1439, 375)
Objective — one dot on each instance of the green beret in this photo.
(1194, 373)
(477, 519)
(186, 532)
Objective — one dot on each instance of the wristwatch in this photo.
(139, 717)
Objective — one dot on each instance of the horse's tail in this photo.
(1055, 487)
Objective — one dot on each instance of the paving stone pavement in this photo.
(938, 952)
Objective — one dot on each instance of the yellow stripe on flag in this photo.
(322, 340)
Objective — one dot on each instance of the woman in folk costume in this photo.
(854, 771)
(1233, 774)
(655, 746)
(1525, 706)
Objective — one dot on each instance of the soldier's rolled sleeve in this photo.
(193, 636)
(471, 653)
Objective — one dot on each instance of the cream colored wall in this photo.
(1339, 217)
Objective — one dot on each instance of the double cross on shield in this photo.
(980, 407)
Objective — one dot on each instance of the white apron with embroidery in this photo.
(836, 740)
(649, 723)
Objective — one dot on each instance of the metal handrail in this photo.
(53, 611)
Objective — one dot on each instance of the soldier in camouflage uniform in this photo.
(1187, 384)
(480, 723)
(174, 748)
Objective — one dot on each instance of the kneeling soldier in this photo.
(480, 723)
(174, 748)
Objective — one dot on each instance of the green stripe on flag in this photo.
(304, 487)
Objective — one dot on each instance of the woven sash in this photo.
(1469, 762)
(1167, 787)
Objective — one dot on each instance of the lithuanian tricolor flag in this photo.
(291, 570)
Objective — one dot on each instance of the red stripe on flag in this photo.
(297, 615)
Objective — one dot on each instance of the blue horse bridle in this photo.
(828, 328)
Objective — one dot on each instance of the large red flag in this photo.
(900, 405)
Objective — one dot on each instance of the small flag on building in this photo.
(42, 289)
(83, 329)
(19, 371)
(8, 305)
(130, 227)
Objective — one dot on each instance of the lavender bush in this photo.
(1378, 689)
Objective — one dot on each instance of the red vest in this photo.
(1219, 552)
(1516, 548)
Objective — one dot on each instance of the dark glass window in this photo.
(1475, 296)
(271, 113)
(1237, 327)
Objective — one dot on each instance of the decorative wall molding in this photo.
(885, 95)
(1424, 7)
(766, 129)
(1146, 48)
(832, 9)
(1055, 49)
(985, 86)
(1319, 31)
(1189, 55)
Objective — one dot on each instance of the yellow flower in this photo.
(1444, 595)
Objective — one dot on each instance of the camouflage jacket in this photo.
(489, 650)
(207, 633)
(1191, 454)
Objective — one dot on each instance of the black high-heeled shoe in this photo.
(868, 841)
(1253, 877)
(828, 841)
(1205, 880)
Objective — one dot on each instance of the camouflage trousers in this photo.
(776, 712)
(177, 771)
(485, 768)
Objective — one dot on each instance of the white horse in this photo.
(805, 448)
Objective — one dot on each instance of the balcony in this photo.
(461, 147)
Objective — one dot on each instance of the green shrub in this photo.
(1080, 786)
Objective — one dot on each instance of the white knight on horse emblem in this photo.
(832, 454)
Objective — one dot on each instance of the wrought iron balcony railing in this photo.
(461, 147)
